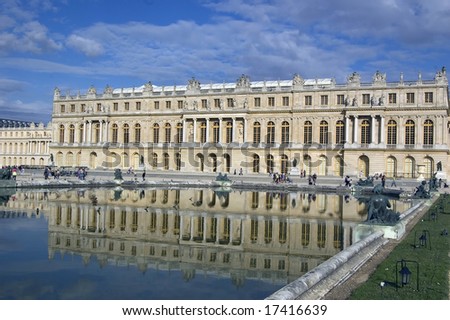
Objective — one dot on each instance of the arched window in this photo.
(428, 132)
(216, 132)
(391, 167)
(409, 167)
(229, 132)
(156, 133)
(115, 133)
(365, 132)
(178, 161)
(255, 163)
(256, 132)
(168, 132)
(166, 161)
(269, 163)
(126, 133)
(410, 133)
(392, 133)
(323, 130)
(81, 133)
(61, 133)
(307, 132)
(71, 133)
(155, 160)
(284, 164)
(270, 132)
(340, 135)
(203, 132)
(179, 136)
(137, 133)
(285, 132)
(96, 138)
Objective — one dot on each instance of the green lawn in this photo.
(429, 263)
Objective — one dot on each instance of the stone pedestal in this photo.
(420, 171)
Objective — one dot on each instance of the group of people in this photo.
(280, 177)
(56, 173)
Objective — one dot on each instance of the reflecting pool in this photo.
(168, 244)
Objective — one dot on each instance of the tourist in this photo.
(143, 175)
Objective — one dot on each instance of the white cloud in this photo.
(87, 46)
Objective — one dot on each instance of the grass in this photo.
(428, 263)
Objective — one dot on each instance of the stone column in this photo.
(355, 131)
(207, 130)
(373, 131)
(195, 130)
(347, 128)
(382, 131)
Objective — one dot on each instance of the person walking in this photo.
(143, 175)
(393, 184)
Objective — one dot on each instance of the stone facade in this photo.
(24, 143)
(316, 125)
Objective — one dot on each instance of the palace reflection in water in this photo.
(266, 236)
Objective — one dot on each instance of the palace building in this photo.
(24, 143)
(398, 128)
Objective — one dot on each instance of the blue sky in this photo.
(73, 44)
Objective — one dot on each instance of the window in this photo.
(307, 132)
(229, 132)
(96, 132)
(365, 132)
(270, 132)
(428, 97)
(115, 106)
(81, 133)
(323, 130)
(230, 102)
(256, 132)
(308, 100)
(138, 105)
(271, 101)
(83, 107)
(392, 98)
(71, 133)
(257, 102)
(269, 163)
(285, 101)
(410, 132)
(203, 132)
(167, 130)
(127, 106)
(366, 98)
(216, 103)
(63, 108)
(285, 132)
(323, 100)
(204, 104)
(156, 133)
(126, 133)
(168, 104)
(72, 108)
(340, 99)
(180, 104)
(156, 105)
(61, 133)
(410, 97)
(428, 132)
(215, 131)
(179, 136)
(340, 136)
(255, 165)
(99, 107)
(115, 133)
(137, 133)
(392, 133)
